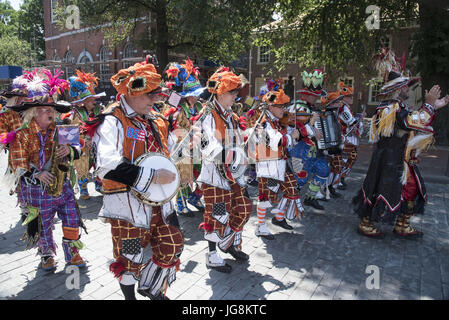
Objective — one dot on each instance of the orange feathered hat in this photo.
(223, 81)
(331, 97)
(276, 97)
(136, 80)
(345, 90)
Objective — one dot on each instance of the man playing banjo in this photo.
(129, 131)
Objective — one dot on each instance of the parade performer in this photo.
(11, 121)
(333, 101)
(271, 166)
(227, 205)
(183, 78)
(393, 188)
(309, 162)
(38, 160)
(82, 88)
(352, 129)
(128, 131)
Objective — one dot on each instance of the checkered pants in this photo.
(218, 202)
(64, 206)
(288, 187)
(351, 151)
(128, 243)
(336, 163)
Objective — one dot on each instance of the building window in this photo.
(104, 67)
(374, 90)
(349, 81)
(53, 5)
(56, 65)
(263, 54)
(85, 60)
(128, 52)
(69, 60)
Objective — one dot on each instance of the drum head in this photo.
(159, 194)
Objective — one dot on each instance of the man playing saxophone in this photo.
(31, 157)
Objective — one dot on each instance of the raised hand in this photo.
(433, 95)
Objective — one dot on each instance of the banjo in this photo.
(157, 194)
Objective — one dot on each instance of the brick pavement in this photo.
(321, 258)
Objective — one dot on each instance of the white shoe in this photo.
(319, 195)
(213, 259)
(262, 231)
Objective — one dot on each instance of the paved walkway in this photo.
(321, 258)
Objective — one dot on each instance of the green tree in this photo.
(8, 19)
(331, 33)
(30, 26)
(218, 30)
(14, 51)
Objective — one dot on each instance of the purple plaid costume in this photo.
(64, 205)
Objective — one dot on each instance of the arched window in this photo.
(69, 60)
(128, 52)
(104, 67)
(85, 60)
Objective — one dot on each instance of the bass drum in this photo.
(157, 194)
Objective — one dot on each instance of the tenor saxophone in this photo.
(59, 171)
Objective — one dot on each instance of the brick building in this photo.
(86, 49)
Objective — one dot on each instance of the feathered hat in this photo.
(393, 72)
(44, 89)
(82, 86)
(183, 78)
(312, 83)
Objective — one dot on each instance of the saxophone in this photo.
(59, 171)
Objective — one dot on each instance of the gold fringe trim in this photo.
(382, 124)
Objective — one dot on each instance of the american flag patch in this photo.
(136, 134)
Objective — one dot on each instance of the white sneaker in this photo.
(262, 231)
(213, 259)
(320, 195)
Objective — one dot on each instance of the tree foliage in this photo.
(14, 51)
(217, 30)
(22, 33)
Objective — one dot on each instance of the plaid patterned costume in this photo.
(28, 154)
(226, 211)
(124, 135)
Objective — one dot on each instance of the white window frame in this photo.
(131, 49)
(104, 67)
(372, 94)
(67, 68)
(259, 55)
(343, 79)
(53, 4)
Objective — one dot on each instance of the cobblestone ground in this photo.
(321, 258)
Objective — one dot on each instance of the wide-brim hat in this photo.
(90, 95)
(307, 92)
(12, 93)
(60, 106)
(396, 81)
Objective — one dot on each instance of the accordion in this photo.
(330, 129)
